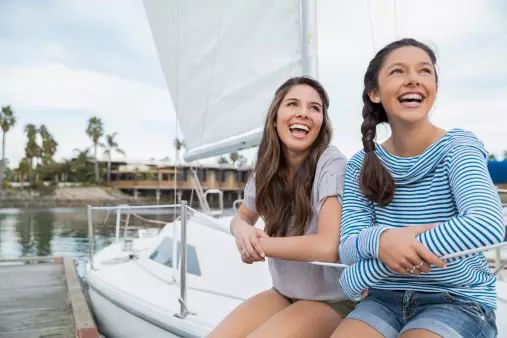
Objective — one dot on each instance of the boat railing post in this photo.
(118, 219)
(183, 263)
(499, 265)
(126, 224)
(91, 237)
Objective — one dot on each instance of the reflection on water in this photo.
(55, 232)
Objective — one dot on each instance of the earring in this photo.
(376, 99)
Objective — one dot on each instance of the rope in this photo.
(372, 33)
(149, 220)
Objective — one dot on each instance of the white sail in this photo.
(222, 61)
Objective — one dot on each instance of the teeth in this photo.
(299, 126)
(411, 96)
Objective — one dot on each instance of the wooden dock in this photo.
(42, 297)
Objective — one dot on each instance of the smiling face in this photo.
(299, 119)
(406, 85)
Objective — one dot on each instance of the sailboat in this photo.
(222, 63)
(183, 280)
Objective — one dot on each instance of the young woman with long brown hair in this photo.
(296, 187)
(422, 194)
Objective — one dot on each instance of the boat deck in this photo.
(43, 299)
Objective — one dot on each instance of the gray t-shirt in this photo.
(302, 280)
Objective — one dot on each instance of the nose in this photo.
(412, 79)
(302, 113)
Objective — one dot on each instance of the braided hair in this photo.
(375, 181)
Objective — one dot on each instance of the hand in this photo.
(247, 241)
(400, 250)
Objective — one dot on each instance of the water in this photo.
(58, 232)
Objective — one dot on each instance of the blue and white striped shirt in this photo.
(448, 185)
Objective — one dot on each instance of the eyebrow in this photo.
(293, 98)
(399, 64)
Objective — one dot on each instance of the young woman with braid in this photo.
(298, 194)
(422, 194)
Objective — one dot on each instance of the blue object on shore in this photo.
(498, 171)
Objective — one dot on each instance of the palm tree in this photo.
(178, 144)
(234, 156)
(32, 149)
(110, 147)
(95, 130)
(49, 145)
(23, 170)
(7, 120)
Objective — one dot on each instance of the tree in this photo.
(49, 145)
(178, 144)
(492, 157)
(23, 170)
(110, 147)
(222, 160)
(81, 169)
(32, 149)
(242, 161)
(95, 130)
(7, 121)
(505, 155)
(234, 156)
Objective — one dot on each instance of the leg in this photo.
(376, 316)
(302, 319)
(351, 328)
(419, 333)
(452, 318)
(250, 314)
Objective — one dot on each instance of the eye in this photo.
(291, 104)
(315, 108)
(395, 71)
(427, 70)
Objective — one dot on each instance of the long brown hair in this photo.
(375, 181)
(278, 201)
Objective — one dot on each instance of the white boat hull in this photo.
(139, 296)
(109, 315)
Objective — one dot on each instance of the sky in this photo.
(62, 62)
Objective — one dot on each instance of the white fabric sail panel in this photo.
(222, 62)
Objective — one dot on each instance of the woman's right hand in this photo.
(400, 250)
(247, 241)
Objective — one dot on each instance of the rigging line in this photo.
(395, 10)
(372, 33)
(176, 152)
(212, 76)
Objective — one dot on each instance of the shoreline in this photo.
(72, 197)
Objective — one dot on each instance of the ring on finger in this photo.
(419, 266)
(412, 271)
(243, 252)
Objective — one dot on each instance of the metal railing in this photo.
(184, 210)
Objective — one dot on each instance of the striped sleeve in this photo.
(479, 221)
(359, 238)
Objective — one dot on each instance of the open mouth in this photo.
(299, 130)
(413, 98)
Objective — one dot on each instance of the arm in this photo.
(480, 220)
(246, 235)
(322, 246)
(359, 237)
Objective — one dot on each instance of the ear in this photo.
(374, 96)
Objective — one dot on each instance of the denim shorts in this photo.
(394, 312)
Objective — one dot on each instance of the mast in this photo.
(309, 38)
